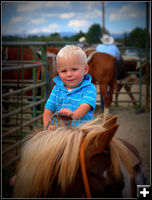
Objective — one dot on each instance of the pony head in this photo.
(50, 160)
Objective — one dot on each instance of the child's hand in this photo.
(66, 111)
(51, 127)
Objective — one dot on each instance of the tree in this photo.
(77, 36)
(136, 38)
(94, 34)
(55, 37)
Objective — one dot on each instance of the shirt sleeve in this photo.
(50, 104)
(90, 95)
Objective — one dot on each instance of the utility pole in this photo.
(103, 18)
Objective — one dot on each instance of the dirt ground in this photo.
(134, 128)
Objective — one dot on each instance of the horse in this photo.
(131, 66)
(84, 161)
(102, 68)
(15, 54)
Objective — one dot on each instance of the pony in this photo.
(84, 161)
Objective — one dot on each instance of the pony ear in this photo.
(102, 140)
(109, 121)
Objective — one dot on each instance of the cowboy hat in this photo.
(82, 39)
(106, 39)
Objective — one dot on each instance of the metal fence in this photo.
(137, 53)
(19, 109)
(22, 114)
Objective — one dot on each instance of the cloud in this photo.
(37, 21)
(35, 5)
(13, 29)
(16, 19)
(67, 15)
(94, 14)
(60, 4)
(53, 26)
(47, 29)
(126, 12)
(29, 6)
(77, 23)
(34, 31)
(49, 15)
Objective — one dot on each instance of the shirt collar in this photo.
(86, 81)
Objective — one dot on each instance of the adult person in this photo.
(110, 48)
(83, 43)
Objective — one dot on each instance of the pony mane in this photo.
(119, 154)
(51, 156)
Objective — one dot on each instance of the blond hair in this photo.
(72, 50)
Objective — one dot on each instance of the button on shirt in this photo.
(60, 98)
(109, 49)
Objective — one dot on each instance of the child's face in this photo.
(71, 71)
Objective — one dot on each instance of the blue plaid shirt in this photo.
(60, 98)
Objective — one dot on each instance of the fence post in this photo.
(34, 89)
(43, 73)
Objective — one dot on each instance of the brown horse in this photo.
(102, 69)
(14, 54)
(85, 161)
(53, 50)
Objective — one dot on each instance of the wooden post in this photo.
(103, 19)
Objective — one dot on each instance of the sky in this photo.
(47, 17)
